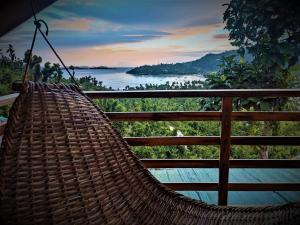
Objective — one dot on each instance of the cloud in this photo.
(192, 31)
(94, 38)
(154, 12)
(221, 36)
(139, 35)
(178, 47)
(81, 24)
(198, 54)
(117, 55)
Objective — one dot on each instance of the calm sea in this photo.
(118, 78)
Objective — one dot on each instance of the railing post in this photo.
(225, 149)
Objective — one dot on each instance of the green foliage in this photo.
(270, 31)
(195, 84)
(34, 65)
(90, 83)
(11, 53)
(246, 20)
(10, 71)
(177, 152)
(236, 75)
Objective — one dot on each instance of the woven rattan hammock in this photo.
(62, 162)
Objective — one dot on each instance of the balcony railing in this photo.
(225, 140)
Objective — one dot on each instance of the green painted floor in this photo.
(235, 175)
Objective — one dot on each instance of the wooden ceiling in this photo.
(15, 12)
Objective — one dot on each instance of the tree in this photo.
(270, 31)
(11, 53)
(34, 65)
(57, 72)
(36, 72)
(47, 71)
(26, 56)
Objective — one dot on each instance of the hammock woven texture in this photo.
(62, 162)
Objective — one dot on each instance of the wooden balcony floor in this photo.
(182, 175)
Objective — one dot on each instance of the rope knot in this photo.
(37, 24)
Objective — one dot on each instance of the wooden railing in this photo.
(225, 140)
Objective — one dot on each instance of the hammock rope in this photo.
(37, 24)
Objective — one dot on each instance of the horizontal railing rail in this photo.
(8, 99)
(224, 140)
(212, 140)
(243, 93)
(202, 116)
(214, 163)
(234, 186)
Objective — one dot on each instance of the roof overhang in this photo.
(15, 12)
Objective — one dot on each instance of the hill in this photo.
(206, 64)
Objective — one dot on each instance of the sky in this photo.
(126, 33)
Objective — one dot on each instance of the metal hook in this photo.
(38, 24)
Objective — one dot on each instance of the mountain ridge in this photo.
(207, 63)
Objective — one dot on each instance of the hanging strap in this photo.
(37, 24)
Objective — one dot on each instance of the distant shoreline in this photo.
(119, 79)
(94, 67)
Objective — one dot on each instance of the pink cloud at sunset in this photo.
(81, 24)
(118, 56)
